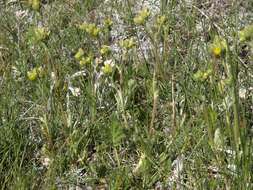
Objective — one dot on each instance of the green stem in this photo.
(234, 81)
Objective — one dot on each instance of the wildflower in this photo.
(218, 47)
(32, 75)
(160, 20)
(202, 75)
(207, 73)
(35, 73)
(246, 34)
(34, 4)
(108, 67)
(127, 43)
(79, 54)
(91, 29)
(217, 51)
(142, 16)
(86, 60)
(40, 33)
(108, 23)
(105, 50)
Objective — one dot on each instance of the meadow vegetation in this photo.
(126, 94)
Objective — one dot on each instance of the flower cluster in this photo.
(108, 67)
(34, 4)
(202, 75)
(105, 50)
(35, 73)
(161, 20)
(142, 17)
(108, 23)
(91, 29)
(38, 34)
(127, 43)
(82, 58)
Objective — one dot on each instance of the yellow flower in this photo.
(217, 51)
(41, 33)
(86, 60)
(34, 4)
(91, 29)
(105, 50)
(202, 75)
(207, 74)
(95, 32)
(79, 54)
(127, 43)
(35, 73)
(108, 22)
(218, 47)
(142, 16)
(32, 75)
(108, 67)
(161, 20)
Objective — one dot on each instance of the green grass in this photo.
(169, 104)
